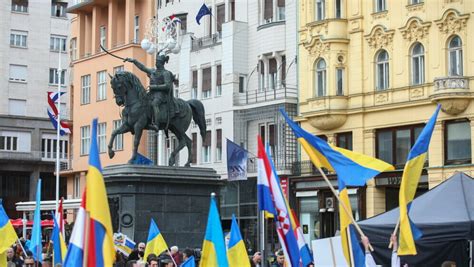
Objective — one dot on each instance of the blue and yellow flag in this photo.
(190, 262)
(7, 232)
(59, 246)
(36, 247)
(213, 247)
(100, 246)
(155, 242)
(236, 252)
(411, 177)
(353, 168)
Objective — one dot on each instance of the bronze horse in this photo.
(137, 115)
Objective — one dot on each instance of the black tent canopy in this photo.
(445, 215)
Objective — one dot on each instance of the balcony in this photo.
(34, 156)
(75, 6)
(259, 96)
(281, 165)
(205, 42)
(306, 168)
(327, 112)
(452, 93)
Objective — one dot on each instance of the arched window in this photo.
(320, 77)
(382, 70)
(418, 64)
(455, 57)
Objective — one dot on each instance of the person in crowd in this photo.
(256, 259)
(119, 259)
(11, 257)
(369, 260)
(448, 264)
(134, 254)
(187, 253)
(29, 262)
(153, 262)
(165, 260)
(280, 259)
(175, 254)
(150, 257)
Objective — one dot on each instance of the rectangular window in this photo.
(344, 140)
(457, 142)
(118, 69)
(338, 9)
(272, 139)
(340, 81)
(58, 8)
(414, 2)
(272, 73)
(206, 148)
(18, 38)
(394, 144)
(54, 77)
(220, 17)
(184, 22)
(281, 9)
(20, 6)
(85, 89)
(232, 10)
(136, 29)
(73, 49)
(261, 131)
(101, 136)
(380, 5)
(57, 43)
(76, 186)
(219, 80)
(194, 152)
(18, 73)
(241, 84)
(8, 143)
(48, 148)
(101, 85)
(261, 84)
(85, 139)
(17, 107)
(268, 11)
(219, 145)
(320, 9)
(103, 36)
(118, 142)
(206, 83)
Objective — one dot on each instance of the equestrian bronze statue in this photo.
(155, 109)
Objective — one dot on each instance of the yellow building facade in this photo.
(119, 26)
(370, 75)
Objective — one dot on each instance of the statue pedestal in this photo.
(177, 198)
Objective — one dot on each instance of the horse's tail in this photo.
(198, 115)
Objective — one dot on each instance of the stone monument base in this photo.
(177, 198)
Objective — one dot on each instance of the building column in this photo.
(112, 25)
(275, 3)
(278, 72)
(161, 149)
(213, 18)
(129, 19)
(266, 72)
(34, 177)
(436, 155)
(81, 20)
(227, 10)
(95, 40)
(87, 34)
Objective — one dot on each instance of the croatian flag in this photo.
(285, 232)
(75, 251)
(53, 113)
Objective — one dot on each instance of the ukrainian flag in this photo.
(213, 247)
(59, 246)
(7, 233)
(353, 168)
(236, 252)
(411, 177)
(155, 243)
(100, 247)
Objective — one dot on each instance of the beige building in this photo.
(370, 75)
(118, 26)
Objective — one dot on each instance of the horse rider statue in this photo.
(161, 90)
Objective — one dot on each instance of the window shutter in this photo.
(195, 78)
(272, 134)
(272, 66)
(219, 75)
(219, 138)
(281, 3)
(206, 79)
(220, 16)
(268, 9)
(207, 140)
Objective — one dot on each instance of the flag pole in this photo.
(394, 232)
(343, 205)
(58, 127)
(262, 237)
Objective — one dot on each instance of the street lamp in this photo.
(162, 36)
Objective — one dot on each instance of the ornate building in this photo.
(370, 75)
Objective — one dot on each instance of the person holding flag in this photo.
(75, 251)
(59, 246)
(352, 169)
(8, 234)
(213, 247)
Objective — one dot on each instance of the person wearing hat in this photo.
(166, 261)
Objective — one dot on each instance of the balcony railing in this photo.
(207, 41)
(455, 82)
(33, 156)
(281, 164)
(258, 96)
(305, 167)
